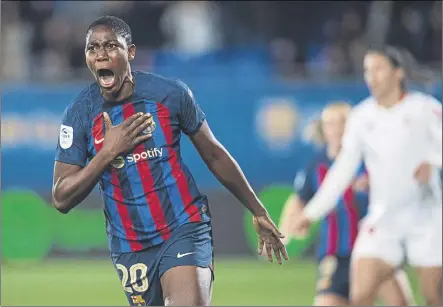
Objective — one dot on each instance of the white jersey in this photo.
(392, 142)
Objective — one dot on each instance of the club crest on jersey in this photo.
(151, 128)
(118, 162)
(138, 300)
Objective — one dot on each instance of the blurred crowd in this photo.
(44, 40)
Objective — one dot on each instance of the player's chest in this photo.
(400, 129)
(164, 128)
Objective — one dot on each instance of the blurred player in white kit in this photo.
(398, 135)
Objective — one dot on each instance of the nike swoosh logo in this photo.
(99, 141)
(185, 254)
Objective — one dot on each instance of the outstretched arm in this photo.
(334, 185)
(339, 175)
(228, 172)
(291, 210)
(226, 169)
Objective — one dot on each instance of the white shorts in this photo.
(419, 243)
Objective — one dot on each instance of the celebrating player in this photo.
(123, 132)
(398, 134)
(339, 229)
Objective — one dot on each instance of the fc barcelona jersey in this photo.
(148, 192)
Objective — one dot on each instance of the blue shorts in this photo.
(140, 272)
(333, 276)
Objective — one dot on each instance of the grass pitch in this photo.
(95, 283)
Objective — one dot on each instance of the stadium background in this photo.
(261, 71)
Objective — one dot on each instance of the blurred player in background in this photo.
(339, 229)
(123, 131)
(398, 134)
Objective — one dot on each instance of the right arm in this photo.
(73, 183)
(304, 191)
(291, 209)
(339, 176)
(73, 180)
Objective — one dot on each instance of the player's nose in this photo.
(102, 55)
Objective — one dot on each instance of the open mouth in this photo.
(106, 78)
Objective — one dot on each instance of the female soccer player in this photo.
(339, 229)
(398, 135)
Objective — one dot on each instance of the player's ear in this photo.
(131, 52)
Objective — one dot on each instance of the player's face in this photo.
(333, 126)
(380, 76)
(107, 57)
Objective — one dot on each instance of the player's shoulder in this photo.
(318, 158)
(421, 105)
(158, 86)
(362, 111)
(366, 105)
(422, 99)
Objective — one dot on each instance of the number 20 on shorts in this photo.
(140, 285)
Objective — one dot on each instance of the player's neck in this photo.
(392, 98)
(124, 92)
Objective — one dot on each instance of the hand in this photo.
(269, 237)
(423, 172)
(361, 184)
(125, 136)
(301, 226)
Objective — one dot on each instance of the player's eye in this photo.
(92, 48)
(112, 46)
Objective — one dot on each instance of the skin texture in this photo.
(187, 285)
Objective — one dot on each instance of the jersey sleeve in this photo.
(433, 120)
(191, 116)
(351, 137)
(339, 175)
(303, 184)
(72, 142)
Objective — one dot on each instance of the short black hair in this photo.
(117, 25)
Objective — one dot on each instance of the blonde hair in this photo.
(317, 137)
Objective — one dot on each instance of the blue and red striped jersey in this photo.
(339, 229)
(149, 192)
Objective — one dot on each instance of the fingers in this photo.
(107, 120)
(261, 243)
(273, 245)
(140, 124)
(284, 251)
(142, 138)
(128, 122)
(269, 251)
(277, 254)
(280, 250)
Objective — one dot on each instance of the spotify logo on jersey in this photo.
(152, 153)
